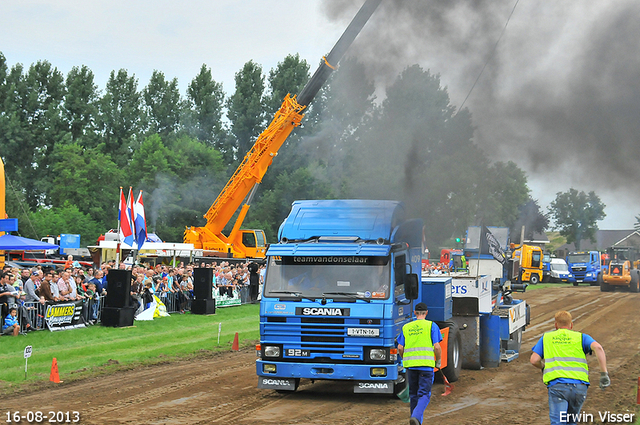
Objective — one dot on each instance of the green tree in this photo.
(503, 195)
(180, 180)
(81, 102)
(275, 204)
(31, 124)
(246, 108)
(417, 149)
(64, 219)
(121, 117)
(288, 77)
(87, 179)
(205, 100)
(162, 99)
(151, 159)
(576, 214)
(533, 220)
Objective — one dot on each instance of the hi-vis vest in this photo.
(564, 356)
(418, 347)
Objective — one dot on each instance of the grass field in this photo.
(97, 349)
(548, 285)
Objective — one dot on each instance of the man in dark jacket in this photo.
(254, 281)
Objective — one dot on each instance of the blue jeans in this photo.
(565, 402)
(420, 383)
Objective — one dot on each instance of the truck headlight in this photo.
(271, 351)
(378, 354)
(269, 368)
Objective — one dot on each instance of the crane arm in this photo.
(254, 165)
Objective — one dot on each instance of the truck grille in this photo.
(579, 274)
(325, 337)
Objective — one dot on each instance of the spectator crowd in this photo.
(25, 291)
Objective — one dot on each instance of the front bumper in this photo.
(331, 371)
(617, 280)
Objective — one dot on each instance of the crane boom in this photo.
(242, 184)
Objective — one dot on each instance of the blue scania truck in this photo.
(343, 280)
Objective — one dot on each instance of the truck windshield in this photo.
(336, 276)
(559, 267)
(578, 258)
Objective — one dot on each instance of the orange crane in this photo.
(242, 185)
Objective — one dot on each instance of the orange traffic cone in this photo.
(236, 343)
(54, 377)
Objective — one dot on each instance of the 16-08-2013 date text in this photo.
(36, 416)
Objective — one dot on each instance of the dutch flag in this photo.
(140, 221)
(124, 219)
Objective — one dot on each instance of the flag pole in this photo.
(135, 231)
(118, 244)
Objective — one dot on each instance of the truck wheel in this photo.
(401, 385)
(575, 283)
(604, 287)
(454, 361)
(634, 286)
(534, 279)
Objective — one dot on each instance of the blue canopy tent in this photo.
(18, 243)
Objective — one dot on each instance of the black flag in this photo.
(489, 245)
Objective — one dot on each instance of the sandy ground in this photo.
(222, 389)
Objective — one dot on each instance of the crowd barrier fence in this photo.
(34, 313)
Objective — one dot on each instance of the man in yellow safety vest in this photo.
(419, 346)
(561, 355)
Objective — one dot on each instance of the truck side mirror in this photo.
(411, 287)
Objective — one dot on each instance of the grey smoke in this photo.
(560, 96)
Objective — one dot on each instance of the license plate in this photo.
(579, 280)
(296, 352)
(363, 332)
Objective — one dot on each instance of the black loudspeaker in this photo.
(117, 317)
(203, 306)
(202, 283)
(118, 288)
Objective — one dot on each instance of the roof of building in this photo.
(604, 240)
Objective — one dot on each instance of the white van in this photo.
(559, 270)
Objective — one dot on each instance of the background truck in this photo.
(622, 270)
(527, 263)
(584, 267)
(69, 245)
(343, 280)
(559, 271)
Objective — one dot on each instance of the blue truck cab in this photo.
(584, 267)
(334, 298)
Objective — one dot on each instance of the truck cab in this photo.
(584, 267)
(527, 263)
(335, 295)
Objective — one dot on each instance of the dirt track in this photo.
(222, 389)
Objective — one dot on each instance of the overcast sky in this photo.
(560, 95)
